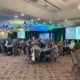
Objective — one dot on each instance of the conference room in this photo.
(40, 40)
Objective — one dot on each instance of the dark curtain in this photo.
(58, 34)
(12, 36)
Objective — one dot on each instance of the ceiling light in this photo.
(38, 18)
(50, 22)
(22, 14)
(32, 20)
(65, 19)
(2, 32)
(16, 16)
(58, 24)
(79, 6)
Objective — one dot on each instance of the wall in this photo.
(4, 35)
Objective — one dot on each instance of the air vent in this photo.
(34, 0)
(54, 10)
(72, 5)
(65, 0)
(52, 4)
(45, 6)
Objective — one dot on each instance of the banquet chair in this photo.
(27, 55)
(79, 46)
(2, 48)
(73, 57)
(16, 51)
(77, 55)
(37, 55)
(50, 56)
(60, 50)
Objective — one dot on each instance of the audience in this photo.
(44, 46)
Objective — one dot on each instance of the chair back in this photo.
(2, 48)
(39, 44)
(79, 46)
(78, 57)
(74, 48)
(52, 52)
(15, 47)
(36, 52)
(73, 58)
(27, 52)
(60, 49)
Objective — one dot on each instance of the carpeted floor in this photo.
(16, 68)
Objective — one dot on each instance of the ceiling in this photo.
(54, 5)
(51, 10)
(8, 16)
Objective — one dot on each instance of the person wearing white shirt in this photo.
(71, 46)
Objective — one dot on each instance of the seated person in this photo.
(71, 46)
(35, 47)
(56, 52)
(26, 45)
(48, 45)
(60, 44)
(60, 47)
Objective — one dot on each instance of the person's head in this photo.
(53, 43)
(35, 43)
(26, 43)
(72, 42)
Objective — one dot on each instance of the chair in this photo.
(77, 55)
(2, 48)
(79, 46)
(16, 50)
(50, 56)
(36, 54)
(60, 50)
(28, 56)
(73, 57)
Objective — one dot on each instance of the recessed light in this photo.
(22, 14)
(38, 18)
(65, 19)
(58, 24)
(32, 20)
(50, 22)
(16, 16)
